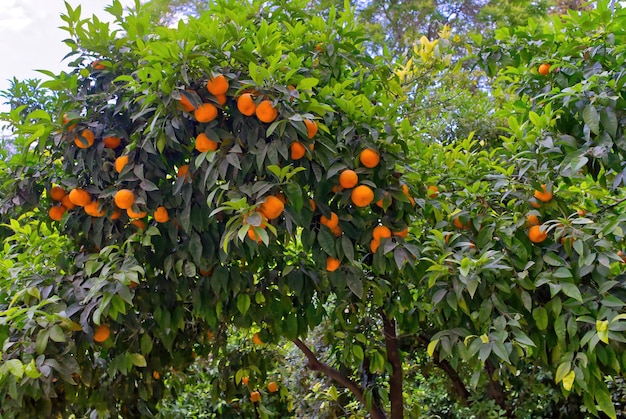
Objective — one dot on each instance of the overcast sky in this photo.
(30, 37)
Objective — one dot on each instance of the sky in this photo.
(30, 37)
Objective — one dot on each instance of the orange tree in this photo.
(523, 239)
(195, 170)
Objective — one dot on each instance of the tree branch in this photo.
(316, 365)
(393, 356)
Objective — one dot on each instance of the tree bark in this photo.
(460, 389)
(315, 364)
(393, 356)
(495, 389)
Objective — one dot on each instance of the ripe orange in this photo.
(544, 195)
(139, 224)
(348, 179)
(381, 232)
(331, 222)
(369, 158)
(297, 150)
(544, 69)
(532, 220)
(536, 235)
(102, 333)
(401, 233)
(459, 224)
(205, 112)
(124, 198)
(79, 197)
(84, 139)
(244, 380)
(362, 196)
(135, 215)
(161, 215)
(533, 203)
(246, 105)
(271, 208)
(112, 142)
(379, 203)
(332, 264)
(204, 143)
(67, 203)
(92, 209)
(56, 213)
(183, 171)
(255, 396)
(337, 231)
(374, 244)
(218, 85)
(432, 191)
(115, 214)
(313, 206)
(206, 272)
(256, 339)
(57, 193)
(120, 162)
(221, 99)
(186, 104)
(156, 375)
(311, 128)
(266, 112)
(253, 236)
(272, 387)
(581, 213)
(97, 65)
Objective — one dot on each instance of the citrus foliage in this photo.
(240, 242)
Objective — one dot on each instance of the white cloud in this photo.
(13, 17)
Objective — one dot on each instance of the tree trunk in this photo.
(393, 356)
(375, 411)
(495, 389)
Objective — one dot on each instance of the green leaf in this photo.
(591, 118)
(326, 239)
(605, 403)
(540, 314)
(243, 303)
(357, 351)
(430, 350)
(56, 333)
(571, 290)
(294, 195)
(307, 83)
(562, 371)
(602, 327)
(15, 367)
(138, 360)
(146, 344)
(31, 370)
(568, 380)
(355, 283)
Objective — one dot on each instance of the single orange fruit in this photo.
(206, 272)
(432, 191)
(205, 112)
(271, 208)
(256, 339)
(186, 104)
(401, 233)
(92, 209)
(120, 162)
(139, 224)
(544, 195)
(135, 215)
(534, 203)
(67, 203)
(312, 203)
(221, 99)
(311, 128)
(405, 189)
(244, 380)
(348, 179)
(532, 220)
(84, 139)
(536, 235)
(297, 150)
(156, 375)
(581, 213)
(204, 144)
(544, 69)
(124, 198)
(115, 214)
(246, 105)
(282, 198)
(459, 224)
(217, 85)
(253, 236)
(183, 171)
(374, 244)
(57, 193)
(97, 65)
(102, 333)
(272, 387)
(362, 196)
(332, 264)
(66, 120)
(369, 158)
(112, 142)
(161, 215)
(79, 197)
(379, 203)
(331, 222)
(337, 231)
(381, 232)
(56, 213)
(266, 112)
(255, 396)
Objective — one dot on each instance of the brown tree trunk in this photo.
(393, 356)
(495, 389)
(375, 411)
